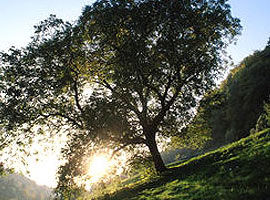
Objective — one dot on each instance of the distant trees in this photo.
(230, 111)
(15, 186)
(143, 63)
(248, 90)
(208, 124)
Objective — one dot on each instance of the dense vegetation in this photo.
(229, 112)
(147, 63)
(144, 64)
(237, 171)
(226, 173)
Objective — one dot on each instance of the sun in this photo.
(99, 166)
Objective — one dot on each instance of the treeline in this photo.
(238, 107)
(15, 186)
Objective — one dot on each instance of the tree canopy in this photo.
(124, 74)
(229, 112)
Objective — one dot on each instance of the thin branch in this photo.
(76, 96)
(108, 86)
(166, 92)
(130, 141)
(119, 149)
(57, 114)
(156, 90)
(123, 98)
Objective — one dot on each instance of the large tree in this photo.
(126, 73)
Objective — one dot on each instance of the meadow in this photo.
(240, 170)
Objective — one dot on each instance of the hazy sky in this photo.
(17, 18)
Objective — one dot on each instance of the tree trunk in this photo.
(158, 162)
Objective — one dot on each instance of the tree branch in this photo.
(76, 96)
(68, 118)
(166, 107)
(123, 98)
(130, 141)
(163, 98)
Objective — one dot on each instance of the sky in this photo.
(17, 18)
(255, 19)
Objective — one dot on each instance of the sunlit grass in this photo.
(240, 170)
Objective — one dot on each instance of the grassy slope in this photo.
(240, 170)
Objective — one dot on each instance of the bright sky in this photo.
(255, 19)
(17, 18)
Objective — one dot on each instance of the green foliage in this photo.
(263, 121)
(172, 155)
(208, 124)
(247, 92)
(226, 173)
(247, 89)
(146, 63)
(267, 113)
(229, 112)
(143, 166)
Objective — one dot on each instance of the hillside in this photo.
(16, 187)
(240, 170)
(229, 112)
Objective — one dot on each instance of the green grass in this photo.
(240, 170)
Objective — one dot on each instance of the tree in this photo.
(229, 112)
(146, 63)
(207, 127)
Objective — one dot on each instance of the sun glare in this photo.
(40, 160)
(99, 166)
(44, 170)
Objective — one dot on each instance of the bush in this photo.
(263, 121)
